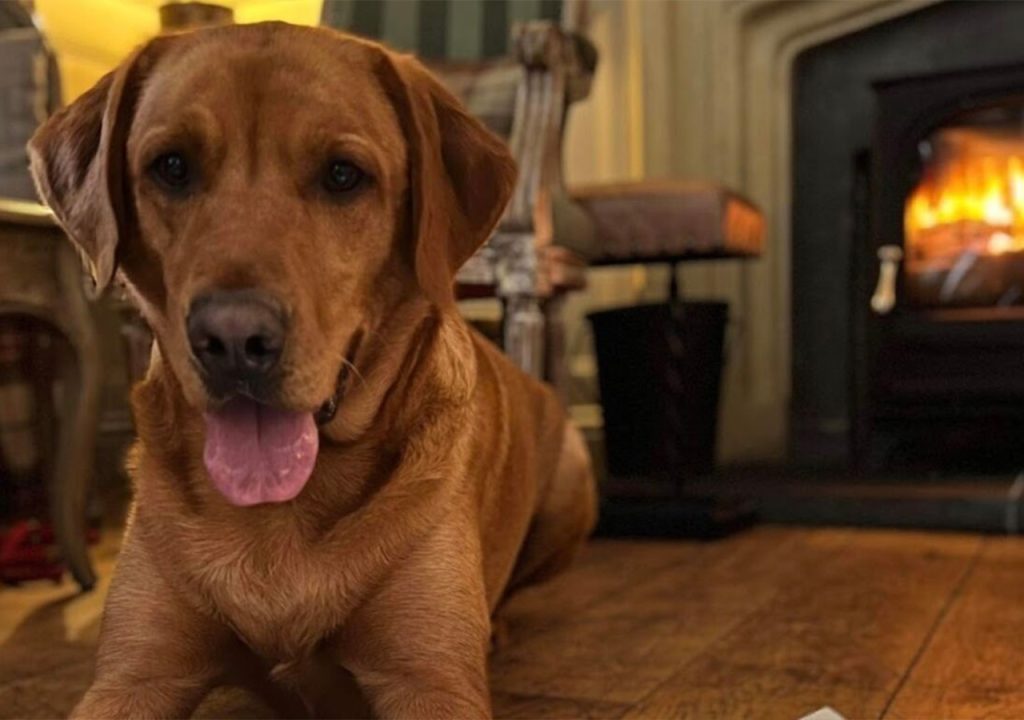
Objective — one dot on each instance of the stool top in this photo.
(670, 221)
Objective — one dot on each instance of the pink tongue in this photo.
(258, 454)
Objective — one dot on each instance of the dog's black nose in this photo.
(237, 337)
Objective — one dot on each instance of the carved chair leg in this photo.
(515, 259)
(81, 378)
(524, 333)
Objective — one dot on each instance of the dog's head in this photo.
(271, 195)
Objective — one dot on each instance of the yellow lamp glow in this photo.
(91, 36)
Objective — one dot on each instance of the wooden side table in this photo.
(40, 277)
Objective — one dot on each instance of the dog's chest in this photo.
(277, 597)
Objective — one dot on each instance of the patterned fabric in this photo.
(439, 29)
(466, 42)
(487, 89)
(652, 221)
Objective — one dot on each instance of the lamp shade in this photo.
(90, 37)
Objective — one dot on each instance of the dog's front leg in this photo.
(418, 646)
(158, 656)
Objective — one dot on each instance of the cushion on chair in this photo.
(488, 89)
(439, 29)
(466, 42)
(651, 221)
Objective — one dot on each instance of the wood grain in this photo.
(763, 695)
(971, 666)
(623, 646)
(956, 703)
(772, 623)
(732, 577)
(604, 569)
(526, 707)
(844, 631)
(45, 627)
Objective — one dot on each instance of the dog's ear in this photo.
(461, 175)
(77, 158)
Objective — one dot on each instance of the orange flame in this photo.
(971, 198)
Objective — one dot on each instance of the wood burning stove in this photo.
(907, 325)
(938, 306)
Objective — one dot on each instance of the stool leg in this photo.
(81, 377)
(556, 370)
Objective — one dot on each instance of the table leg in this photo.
(81, 377)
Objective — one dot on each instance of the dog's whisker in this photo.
(348, 364)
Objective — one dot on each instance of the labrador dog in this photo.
(336, 482)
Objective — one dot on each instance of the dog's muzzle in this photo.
(237, 337)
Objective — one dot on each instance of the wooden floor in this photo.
(773, 623)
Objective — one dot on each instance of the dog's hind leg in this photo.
(565, 517)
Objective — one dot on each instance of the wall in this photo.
(92, 36)
(703, 90)
(685, 89)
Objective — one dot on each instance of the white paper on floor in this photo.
(825, 713)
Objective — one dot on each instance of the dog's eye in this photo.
(342, 176)
(172, 170)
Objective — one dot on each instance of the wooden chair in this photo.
(520, 73)
(517, 66)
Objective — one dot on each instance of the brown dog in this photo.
(336, 481)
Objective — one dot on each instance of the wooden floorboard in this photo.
(763, 695)
(842, 633)
(971, 666)
(622, 647)
(604, 569)
(48, 635)
(531, 707)
(772, 623)
(923, 703)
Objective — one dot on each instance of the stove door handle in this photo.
(884, 298)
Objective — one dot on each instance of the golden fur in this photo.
(447, 478)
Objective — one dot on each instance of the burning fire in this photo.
(970, 200)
